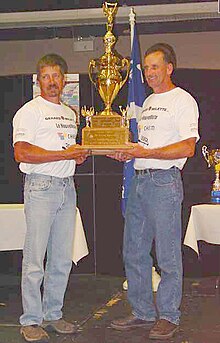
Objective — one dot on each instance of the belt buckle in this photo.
(141, 171)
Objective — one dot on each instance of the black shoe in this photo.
(163, 329)
(130, 322)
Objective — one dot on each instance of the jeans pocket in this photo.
(164, 177)
(39, 184)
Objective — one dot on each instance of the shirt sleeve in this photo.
(24, 125)
(187, 118)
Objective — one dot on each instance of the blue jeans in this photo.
(154, 213)
(50, 208)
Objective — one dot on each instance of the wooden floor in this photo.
(93, 301)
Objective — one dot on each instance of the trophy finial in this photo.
(110, 10)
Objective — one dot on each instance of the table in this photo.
(13, 229)
(204, 225)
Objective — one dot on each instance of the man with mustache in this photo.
(167, 134)
(44, 138)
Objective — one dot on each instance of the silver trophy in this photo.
(213, 159)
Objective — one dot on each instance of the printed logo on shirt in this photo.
(147, 116)
(64, 135)
(143, 127)
(152, 116)
(193, 127)
(143, 140)
(59, 118)
(150, 108)
(65, 126)
(65, 146)
(20, 133)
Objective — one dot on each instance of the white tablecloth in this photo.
(13, 228)
(204, 225)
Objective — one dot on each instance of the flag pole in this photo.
(132, 23)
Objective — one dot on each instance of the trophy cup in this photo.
(213, 158)
(107, 131)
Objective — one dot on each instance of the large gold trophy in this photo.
(107, 131)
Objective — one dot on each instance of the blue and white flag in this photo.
(136, 97)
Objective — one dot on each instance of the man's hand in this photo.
(119, 156)
(123, 155)
(76, 152)
(80, 160)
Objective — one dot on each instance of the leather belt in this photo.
(146, 171)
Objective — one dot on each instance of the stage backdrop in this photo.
(99, 179)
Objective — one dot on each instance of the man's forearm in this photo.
(28, 153)
(177, 150)
(182, 149)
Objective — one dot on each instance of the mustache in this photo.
(52, 86)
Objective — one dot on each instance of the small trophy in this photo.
(107, 131)
(213, 158)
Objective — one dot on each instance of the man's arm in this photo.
(182, 149)
(29, 153)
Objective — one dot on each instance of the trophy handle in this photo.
(125, 62)
(206, 154)
(92, 65)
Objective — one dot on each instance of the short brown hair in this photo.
(52, 60)
(166, 49)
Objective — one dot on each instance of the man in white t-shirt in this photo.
(167, 133)
(44, 138)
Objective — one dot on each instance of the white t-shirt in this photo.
(49, 126)
(166, 118)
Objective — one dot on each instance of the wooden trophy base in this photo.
(104, 141)
(104, 150)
